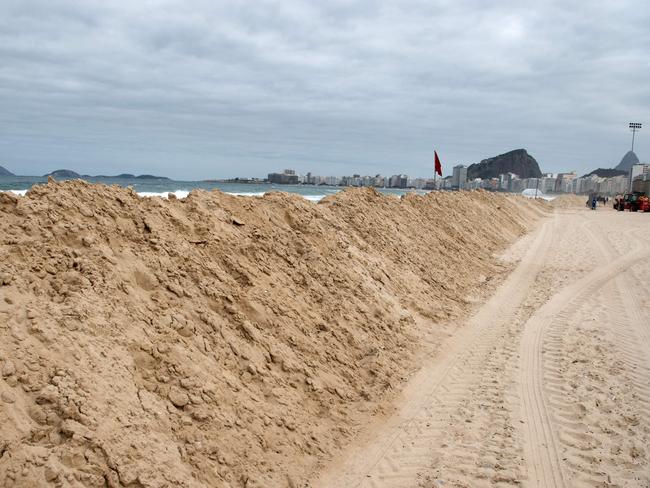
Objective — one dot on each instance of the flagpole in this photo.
(434, 171)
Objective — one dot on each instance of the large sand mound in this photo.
(220, 340)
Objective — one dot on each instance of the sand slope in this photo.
(221, 340)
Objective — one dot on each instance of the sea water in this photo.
(162, 187)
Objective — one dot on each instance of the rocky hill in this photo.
(518, 162)
(151, 177)
(127, 176)
(64, 173)
(628, 160)
(622, 168)
(5, 172)
(606, 172)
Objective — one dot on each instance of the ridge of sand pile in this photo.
(219, 340)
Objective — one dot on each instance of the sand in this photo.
(461, 339)
(225, 341)
(546, 385)
(569, 200)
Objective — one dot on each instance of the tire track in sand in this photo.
(590, 377)
(629, 291)
(403, 448)
(541, 443)
(597, 385)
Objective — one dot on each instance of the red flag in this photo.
(438, 167)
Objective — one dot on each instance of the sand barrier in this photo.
(221, 340)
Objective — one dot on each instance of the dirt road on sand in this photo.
(547, 385)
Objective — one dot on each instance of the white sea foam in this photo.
(184, 193)
(314, 198)
(20, 193)
(245, 194)
(311, 198)
(163, 194)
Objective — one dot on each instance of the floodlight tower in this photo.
(634, 127)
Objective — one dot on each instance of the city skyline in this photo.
(603, 183)
(303, 167)
(448, 172)
(562, 182)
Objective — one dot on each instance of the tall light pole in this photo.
(634, 127)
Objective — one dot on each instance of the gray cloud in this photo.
(198, 89)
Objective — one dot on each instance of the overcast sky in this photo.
(211, 89)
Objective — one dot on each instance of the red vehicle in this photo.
(636, 201)
(643, 204)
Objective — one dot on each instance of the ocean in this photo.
(161, 188)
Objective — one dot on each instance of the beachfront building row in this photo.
(554, 183)
(551, 183)
(548, 183)
(289, 176)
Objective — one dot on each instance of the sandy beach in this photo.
(461, 339)
(545, 386)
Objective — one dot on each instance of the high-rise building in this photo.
(563, 182)
(398, 181)
(459, 177)
(288, 177)
(638, 170)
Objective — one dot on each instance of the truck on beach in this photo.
(635, 201)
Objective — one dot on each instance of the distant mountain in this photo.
(622, 168)
(5, 172)
(518, 162)
(129, 176)
(626, 163)
(606, 173)
(63, 173)
(151, 177)
(69, 174)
